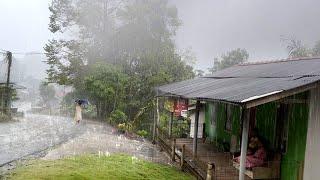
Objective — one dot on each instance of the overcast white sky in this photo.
(24, 25)
(210, 27)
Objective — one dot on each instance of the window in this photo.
(213, 114)
(228, 123)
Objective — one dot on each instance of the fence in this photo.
(184, 156)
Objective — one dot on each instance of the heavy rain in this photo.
(159, 89)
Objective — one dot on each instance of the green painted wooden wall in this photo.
(293, 159)
(217, 132)
(210, 129)
(266, 116)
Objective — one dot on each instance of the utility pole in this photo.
(7, 102)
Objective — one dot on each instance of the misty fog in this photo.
(146, 77)
(209, 27)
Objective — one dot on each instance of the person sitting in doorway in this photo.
(253, 139)
(256, 155)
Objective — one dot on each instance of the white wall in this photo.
(200, 125)
(312, 155)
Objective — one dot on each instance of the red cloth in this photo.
(255, 160)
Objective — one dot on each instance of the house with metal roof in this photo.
(278, 100)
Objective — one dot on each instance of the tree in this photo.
(116, 44)
(231, 58)
(105, 86)
(296, 49)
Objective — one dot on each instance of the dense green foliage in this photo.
(115, 54)
(97, 167)
(229, 59)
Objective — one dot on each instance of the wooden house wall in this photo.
(312, 158)
(266, 120)
(216, 131)
(292, 160)
(266, 116)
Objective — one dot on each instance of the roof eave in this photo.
(280, 95)
(254, 102)
(200, 99)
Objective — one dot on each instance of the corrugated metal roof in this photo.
(244, 83)
(288, 68)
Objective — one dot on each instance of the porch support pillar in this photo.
(244, 142)
(195, 130)
(170, 124)
(156, 122)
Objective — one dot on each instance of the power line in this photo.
(34, 53)
(22, 53)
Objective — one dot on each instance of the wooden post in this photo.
(157, 121)
(183, 151)
(195, 132)
(158, 112)
(154, 126)
(170, 124)
(173, 152)
(244, 142)
(7, 103)
(210, 171)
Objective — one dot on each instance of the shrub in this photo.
(142, 133)
(90, 111)
(4, 117)
(117, 117)
(124, 127)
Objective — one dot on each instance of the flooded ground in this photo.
(100, 138)
(53, 137)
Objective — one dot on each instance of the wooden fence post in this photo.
(182, 156)
(173, 152)
(210, 171)
(170, 125)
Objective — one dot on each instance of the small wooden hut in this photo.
(279, 99)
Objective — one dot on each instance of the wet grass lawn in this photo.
(95, 167)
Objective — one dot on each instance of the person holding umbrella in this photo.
(79, 104)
